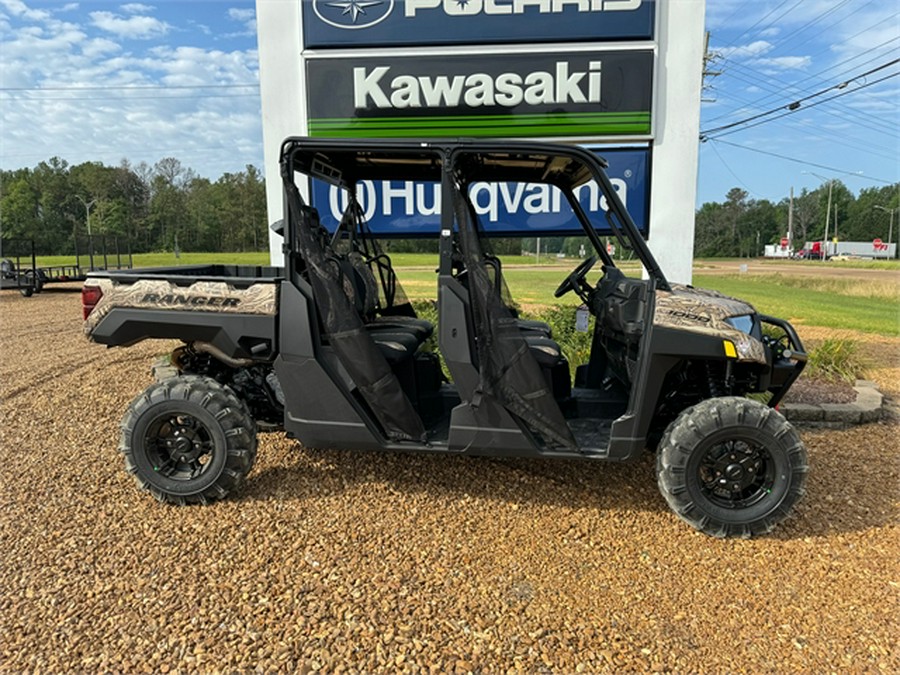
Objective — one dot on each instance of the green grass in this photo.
(161, 259)
(861, 264)
(814, 306)
(865, 306)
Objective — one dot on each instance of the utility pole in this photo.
(708, 58)
(87, 209)
(828, 210)
(790, 236)
(890, 213)
(827, 219)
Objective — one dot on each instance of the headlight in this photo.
(743, 323)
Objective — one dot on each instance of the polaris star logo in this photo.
(353, 14)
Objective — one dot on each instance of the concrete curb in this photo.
(868, 407)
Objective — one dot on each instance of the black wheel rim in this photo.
(735, 474)
(179, 447)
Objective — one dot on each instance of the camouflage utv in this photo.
(329, 349)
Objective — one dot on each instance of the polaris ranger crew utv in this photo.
(328, 349)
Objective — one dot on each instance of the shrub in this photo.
(575, 345)
(834, 360)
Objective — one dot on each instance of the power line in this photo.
(844, 139)
(794, 86)
(40, 99)
(811, 105)
(128, 87)
(786, 42)
(799, 161)
(766, 16)
(846, 114)
(793, 89)
(856, 11)
(795, 105)
(736, 177)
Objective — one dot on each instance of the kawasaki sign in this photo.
(598, 93)
(369, 23)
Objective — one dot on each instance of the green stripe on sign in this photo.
(632, 123)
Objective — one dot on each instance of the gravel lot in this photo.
(361, 562)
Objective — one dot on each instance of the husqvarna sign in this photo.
(356, 23)
(582, 93)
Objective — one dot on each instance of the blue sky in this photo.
(108, 80)
(772, 53)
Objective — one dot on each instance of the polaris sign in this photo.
(400, 209)
(522, 95)
(371, 23)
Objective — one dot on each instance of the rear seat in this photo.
(367, 304)
(398, 338)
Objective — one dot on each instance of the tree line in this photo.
(167, 205)
(154, 208)
(740, 226)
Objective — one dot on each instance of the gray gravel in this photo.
(338, 561)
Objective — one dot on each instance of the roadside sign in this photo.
(541, 93)
(402, 209)
(784, 242)
(385, 23)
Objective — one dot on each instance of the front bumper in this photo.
(786, 356)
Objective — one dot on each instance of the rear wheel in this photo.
(26, 285)
(731, 467)
(36, 280)
(188, 439)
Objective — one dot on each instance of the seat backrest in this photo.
(367, 285)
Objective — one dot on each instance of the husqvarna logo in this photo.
(353, 14)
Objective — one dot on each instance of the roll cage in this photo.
(458, 163)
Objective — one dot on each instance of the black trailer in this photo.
(19, 267)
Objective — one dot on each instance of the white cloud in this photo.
(784, 62)
(136, 8)
(756, 48)
(241, 14)
(100, 47)
(246, 17)
(19, 9)
(85, 94)
(133, 27)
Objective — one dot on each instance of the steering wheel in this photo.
(575, 280)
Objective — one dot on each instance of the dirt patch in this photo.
(818, 391)
(394, 563)
(795, 268)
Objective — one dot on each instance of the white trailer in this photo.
(876, 249)
(777, 251)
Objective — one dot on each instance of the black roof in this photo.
(344, 161)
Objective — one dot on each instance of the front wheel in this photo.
(731, 467)
(188, 439)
